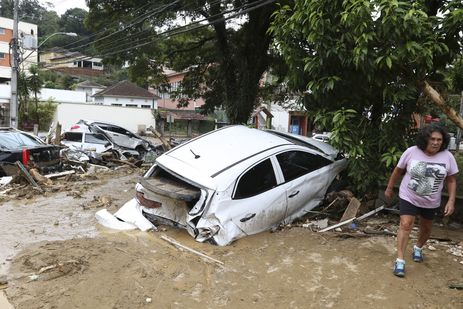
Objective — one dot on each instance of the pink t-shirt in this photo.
(423, 182)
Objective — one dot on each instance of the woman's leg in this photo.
(424, 232)
(406, 225)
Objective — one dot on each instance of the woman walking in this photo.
(424, 167)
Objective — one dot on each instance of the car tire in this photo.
(141, 151)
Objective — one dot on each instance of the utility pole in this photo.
(14, 69)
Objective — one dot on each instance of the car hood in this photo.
(203, 158)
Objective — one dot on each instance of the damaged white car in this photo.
(234, 182)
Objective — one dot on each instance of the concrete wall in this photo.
(280, 118)
(139, 102)
(62, 96)
(128, 117)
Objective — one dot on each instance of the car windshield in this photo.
(15, 140)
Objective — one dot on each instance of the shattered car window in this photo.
(95, 138)
(258, 179)
(73, 136)
(15, 140)
(297, 163)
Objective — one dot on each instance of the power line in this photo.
(170, 33)
(104, 30)
(141, 18)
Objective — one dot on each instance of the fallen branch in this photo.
(175, 243)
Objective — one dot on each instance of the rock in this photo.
(3, 280)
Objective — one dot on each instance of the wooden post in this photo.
(57, 140)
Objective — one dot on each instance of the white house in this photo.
(126, 94)
(90, 88)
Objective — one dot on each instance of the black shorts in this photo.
(407, 208)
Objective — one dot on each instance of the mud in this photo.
(77, 264)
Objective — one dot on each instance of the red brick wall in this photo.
(6, 37)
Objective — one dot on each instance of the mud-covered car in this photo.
(16, 145)
(118, 135)
(234, 182)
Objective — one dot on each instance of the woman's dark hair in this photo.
(424, 134)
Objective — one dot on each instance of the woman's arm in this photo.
(452, 191)
(395, 176)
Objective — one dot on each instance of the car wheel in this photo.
(141, 152)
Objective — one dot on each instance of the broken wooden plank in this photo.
(351, 210)
(370, 213)
(28, 176)
(164, 142)
(336, 225)
(177, 244)
(57, 139)
(56, 175)
(39, 177)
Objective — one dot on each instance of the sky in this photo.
(61, 6)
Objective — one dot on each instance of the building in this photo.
(71, 62)
(126, 94)
(27, 33)
(90, 88)
(165, 100)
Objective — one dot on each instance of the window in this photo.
(113, 129)
(96, 138)
(73, 136)
(258, 179)
(146, 106)
(2, 55)
(2, 30)
(116, 104)
(297, 163)
(131, 105)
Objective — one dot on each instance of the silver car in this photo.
(233, 182)
(118, 135)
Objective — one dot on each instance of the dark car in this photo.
(20, 146)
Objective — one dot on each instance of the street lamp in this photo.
(16, 63)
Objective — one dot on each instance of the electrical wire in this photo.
(104, 30)
(185, 28)
(141, 18)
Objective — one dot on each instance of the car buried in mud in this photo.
(235, 181)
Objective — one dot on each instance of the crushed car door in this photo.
(120, 136)
(258, 203)
(305, 179)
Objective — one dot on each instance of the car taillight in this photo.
(26, 156)
(75, 127)
(146, 202)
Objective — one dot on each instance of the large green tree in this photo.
(363, 65)
(224, 59)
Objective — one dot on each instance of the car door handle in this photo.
(294, 194)
(248, 217)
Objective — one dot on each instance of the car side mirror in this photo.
(107, 144)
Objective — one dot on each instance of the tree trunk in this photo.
(437, 99)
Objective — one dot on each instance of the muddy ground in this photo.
(54, 255)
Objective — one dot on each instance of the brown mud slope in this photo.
(293, 268)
